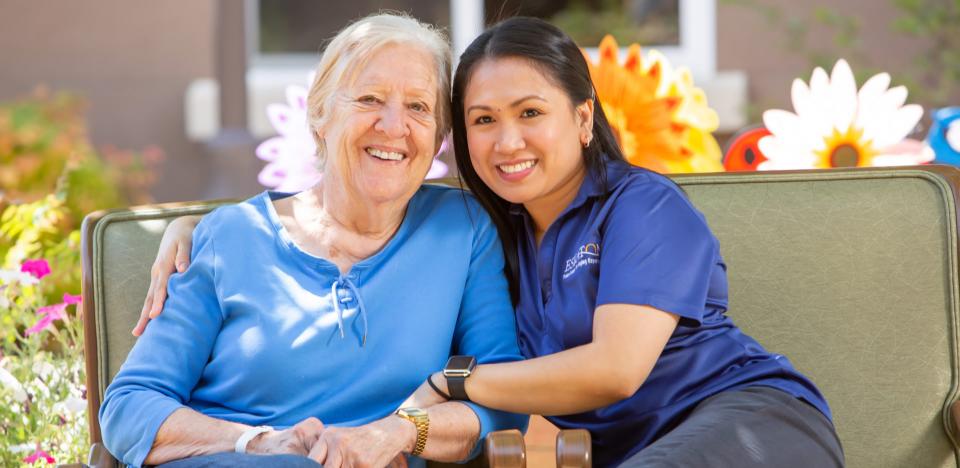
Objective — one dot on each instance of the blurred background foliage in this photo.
(647, 23)
(51, 176)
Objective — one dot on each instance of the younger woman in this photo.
(620, 287)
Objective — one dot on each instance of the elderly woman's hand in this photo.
(426, 396)
(296, 440)
(174, 252)
(380, 443)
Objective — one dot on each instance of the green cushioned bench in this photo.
(850, 273)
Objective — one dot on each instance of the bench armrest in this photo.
(955, 417)
(505, 449)
(574, 449)
(98, 457)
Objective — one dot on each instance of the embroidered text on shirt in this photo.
(588, 254)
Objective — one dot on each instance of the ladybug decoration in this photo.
(944, 136)
(743, 152)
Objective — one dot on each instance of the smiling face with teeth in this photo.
(382, 132)
(525, 137)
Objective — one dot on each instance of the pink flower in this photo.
(37, 455)
(38, 268)
(47, 315)
(42, 324)
(71, 299)
(56, 311)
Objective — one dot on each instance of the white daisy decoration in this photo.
(291, 156)
(836, 125)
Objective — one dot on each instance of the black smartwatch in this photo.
(456, 371)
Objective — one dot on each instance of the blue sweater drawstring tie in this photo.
(344, 281)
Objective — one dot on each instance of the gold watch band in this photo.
(421, 420)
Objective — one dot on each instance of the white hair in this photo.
(353, 47)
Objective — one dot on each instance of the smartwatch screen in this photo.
(460, 365)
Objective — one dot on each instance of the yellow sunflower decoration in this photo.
(660, 119)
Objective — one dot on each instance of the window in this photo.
(296, 30)
(683, 30)
(285, 37)
(587, 21)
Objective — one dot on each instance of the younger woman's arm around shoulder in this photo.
(173, 255)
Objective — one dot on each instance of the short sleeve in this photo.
(656, 250)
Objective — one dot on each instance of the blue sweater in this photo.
(252, 332)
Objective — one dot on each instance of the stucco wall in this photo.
(750, 41)
(131, 59)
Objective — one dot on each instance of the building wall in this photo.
(750, 41)
(132, 61)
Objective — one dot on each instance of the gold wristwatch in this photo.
(420, 418)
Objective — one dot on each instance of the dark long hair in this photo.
(560, 60)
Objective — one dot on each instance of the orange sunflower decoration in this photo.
(660, 119)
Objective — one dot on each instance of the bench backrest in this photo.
(851, 274)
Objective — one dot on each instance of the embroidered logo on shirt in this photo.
(588, 254)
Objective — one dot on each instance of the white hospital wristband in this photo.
(247, 436)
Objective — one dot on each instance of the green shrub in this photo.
(50, 178)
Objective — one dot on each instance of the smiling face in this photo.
(381, 134)
(524, 134)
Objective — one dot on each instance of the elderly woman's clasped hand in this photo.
(298, 439)
(371, 445)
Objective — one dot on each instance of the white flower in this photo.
(19, 448)
(16, 276)
(43, 368)
(70, 406)
(39, 387)
(11, 383)
(953, 135)
(835, 125)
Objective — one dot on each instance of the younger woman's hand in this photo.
(174, 253)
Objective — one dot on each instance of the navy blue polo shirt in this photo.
(641, 242)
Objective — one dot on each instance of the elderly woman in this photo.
(319, 313)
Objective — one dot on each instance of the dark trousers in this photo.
(753, 427)
(242, 460)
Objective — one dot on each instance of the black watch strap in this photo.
(457, 386)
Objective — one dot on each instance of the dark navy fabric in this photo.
(641, 242)
(757, 427)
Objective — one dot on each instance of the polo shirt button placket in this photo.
(547, 251)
